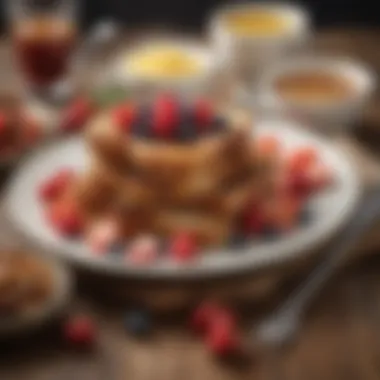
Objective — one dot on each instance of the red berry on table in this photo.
(302, 159)
(124, 116)
(254, 221)
(299, 184)
(143, 250)
(77, 114)
(183, 247)
(203, 114)
(222, 337)
(80, 331)
(66, 218)
(166, 116)
(203, 315)
(56, 185)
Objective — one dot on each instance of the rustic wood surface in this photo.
(340, 338)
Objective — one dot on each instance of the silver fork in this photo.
(282, 326)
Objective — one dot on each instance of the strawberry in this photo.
(183, 247)
(202, 316)
(302, 159)
(144, 250)
(80, 331)
(77, 114)
(222, 337)
(124, 116)
(56, 185)
(66, 218)
(165, 116)
(203, 114)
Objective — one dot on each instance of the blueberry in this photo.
(138, 323)
(305, 216)
(143, 125)
(270, 234)
(238, 240)
(186, 132)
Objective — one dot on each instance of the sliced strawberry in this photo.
(77, 114)
(124, 116)
(66, 218)
(302, 159)
(166, 116)
(203, 114)
(55, 186)
(184, 247)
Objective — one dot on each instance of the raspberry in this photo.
(143, 250)
(80, 331)
(254, 221)
(203, 113)
(165, 116)
(56, 185)
(124, 116)
(302, 159)
(77, 114)
(222, 338)
(183, 247)
(202, 316)
(66, 218)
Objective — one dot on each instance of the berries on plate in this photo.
(165, 116)
(143, 250)
(124, 116)
(66, 218)
(103, 235)
(56, 185)
(302, 159)
(77, 114)
(183, 247)
(80, 331)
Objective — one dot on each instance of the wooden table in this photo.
(340, 339)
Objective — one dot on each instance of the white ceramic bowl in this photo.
(194, 84)
(332, 117)
(331, 210)
(246, 56)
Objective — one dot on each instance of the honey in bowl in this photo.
(314, 87)
(250, 23)
(164, 62)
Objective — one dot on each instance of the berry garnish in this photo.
(165, 116)
(203, 114)
(302, 159)
(66, 218)
(80, 331)
(124, 116)
(183, 247)
(143, 250)
(55, 186)
(77, 114)
(254, 221)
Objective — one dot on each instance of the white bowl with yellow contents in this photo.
(248, 36)
(173, 64)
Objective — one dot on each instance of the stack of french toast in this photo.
(168, 167)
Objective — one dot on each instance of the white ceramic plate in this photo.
(330, 211)
(54, 304)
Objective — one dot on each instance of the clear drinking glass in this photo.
(43, 36)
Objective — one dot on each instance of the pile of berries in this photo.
(167, 119)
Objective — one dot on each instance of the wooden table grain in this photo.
(340, 338)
